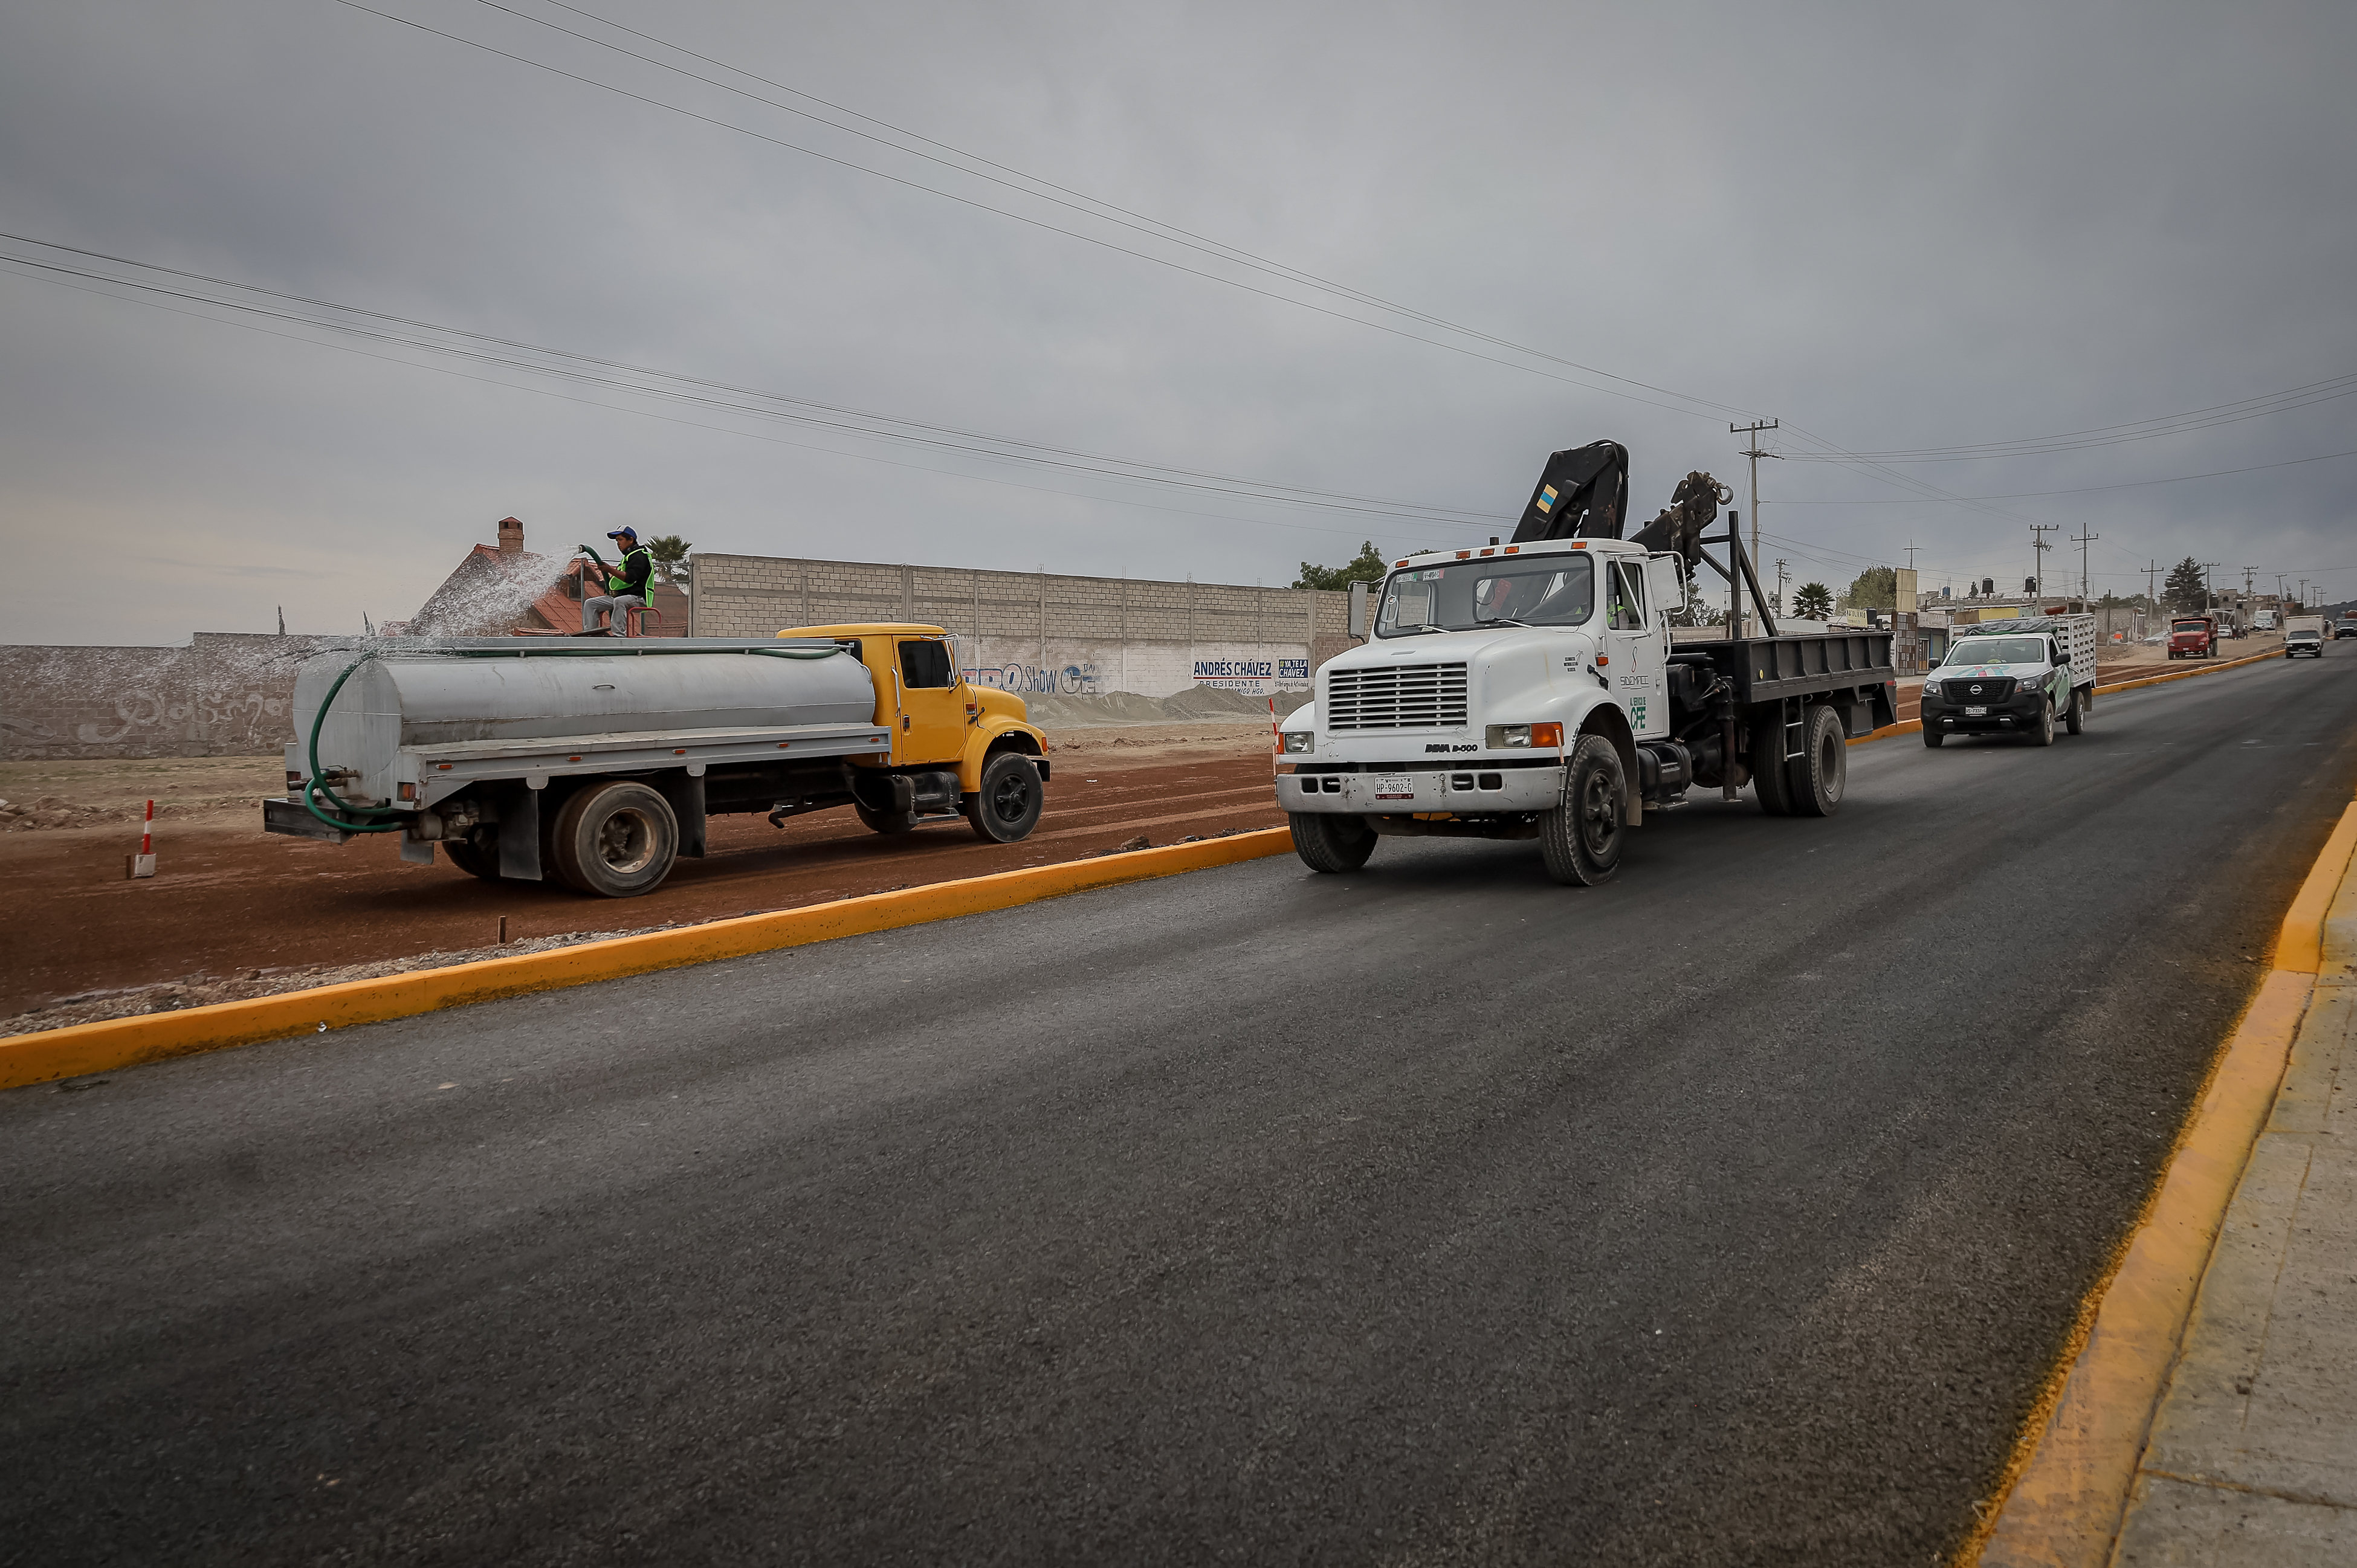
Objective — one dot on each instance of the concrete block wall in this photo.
(1043, 631)
(225, 694)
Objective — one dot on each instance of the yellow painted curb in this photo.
(2299, 945)
(126, 1042)
(2065, 1491)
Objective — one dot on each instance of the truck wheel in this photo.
(617, 839)
(1328, 843)
(1008, 805)
(1582, 838)
(477, 854)
(1771, 783)
(1821, 772)
(2043, 732)
(1933, 737)
(2076, 719)
(887, 821)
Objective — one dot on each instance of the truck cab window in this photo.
(925, 665)
(1628, 598)
(1470, 593)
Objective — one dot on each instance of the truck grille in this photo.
(1981, 689)
(1407, 696)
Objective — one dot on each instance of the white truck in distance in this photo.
(1533, 690)
(2304, 634)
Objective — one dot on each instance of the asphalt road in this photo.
(1732, 1213)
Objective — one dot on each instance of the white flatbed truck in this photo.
(1533, 690)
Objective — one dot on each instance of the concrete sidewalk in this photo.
(2253, 1454)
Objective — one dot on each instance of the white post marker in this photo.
(143, 863)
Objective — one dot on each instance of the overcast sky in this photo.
(1894, 229)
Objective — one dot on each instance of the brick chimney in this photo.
(511, 536)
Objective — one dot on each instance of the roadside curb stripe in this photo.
(1915, 726)
(2065, 1490)
(127, 1042)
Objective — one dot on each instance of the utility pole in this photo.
(2151, 571)
(2209, 594)
(1735, 626)
(2086, 589)
(1779, 586)
(2037, 532)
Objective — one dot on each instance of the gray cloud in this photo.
(1893, 228)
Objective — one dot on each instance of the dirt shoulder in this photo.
(235, 912)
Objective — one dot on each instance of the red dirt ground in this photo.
(230, 899)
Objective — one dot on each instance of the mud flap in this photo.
(519, 832)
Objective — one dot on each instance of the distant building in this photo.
(505, 588)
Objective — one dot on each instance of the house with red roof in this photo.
(505, 588)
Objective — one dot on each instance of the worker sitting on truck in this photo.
(625, 593)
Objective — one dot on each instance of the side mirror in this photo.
(1358, 609)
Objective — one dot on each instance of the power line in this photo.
(2140, 430)
(642, 380)
(1129, 217)
(2085, 489)
(1075, 234)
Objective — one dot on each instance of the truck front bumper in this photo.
(2012, 716)
(1475, 790)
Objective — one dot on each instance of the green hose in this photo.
(315, 785)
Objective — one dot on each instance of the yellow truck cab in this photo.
(957, 749)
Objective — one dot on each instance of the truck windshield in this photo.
(2191, 626)
(1557, 590)
(1998, 651)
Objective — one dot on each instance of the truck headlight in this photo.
(1519, 738)
(1300, 740)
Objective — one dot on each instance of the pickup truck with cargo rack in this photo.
(1534, 688)
(2014, 677)
(2304, 634)
(600, 763)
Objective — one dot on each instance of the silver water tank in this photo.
(403, 699)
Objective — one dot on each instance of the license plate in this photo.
(1395, 787)
(1975, 713)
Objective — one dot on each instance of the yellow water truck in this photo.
(600, 763)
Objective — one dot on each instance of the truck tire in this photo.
(1770, 781)
(2043, 732)
(1007, 807)
(1933, 737)
(1820, 773)
(617, 839)
(886, 822)
(1582, 838)
(1328, 843)
(477, 854)
(2075, 721)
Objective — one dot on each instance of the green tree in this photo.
(1875, 588)
(1364, 567)
(1814, 601)
(2185, 592)
(669, 554)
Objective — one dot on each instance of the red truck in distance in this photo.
(2193, 636)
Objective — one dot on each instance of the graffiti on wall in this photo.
(232, 719)
(1071, 680)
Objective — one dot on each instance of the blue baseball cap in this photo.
(629, 534)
